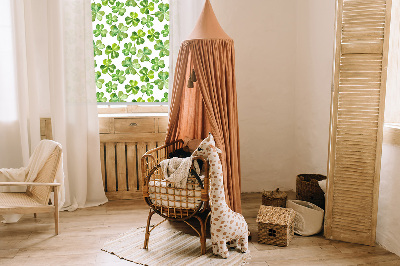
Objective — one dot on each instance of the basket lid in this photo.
(275, 215)
(275, 194)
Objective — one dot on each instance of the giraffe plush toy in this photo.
(226, 225)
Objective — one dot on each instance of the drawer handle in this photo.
(133, 124)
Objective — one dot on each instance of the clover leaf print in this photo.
(119, 8)
(162, 12)
(147, 89)
(106, 2)
(100, 31)
(146, 75)
(107, 66)
(139, 100)
(131, 3)
(96, 12)
(146, 7)
(130, 65)
(153, 35)
(132, 19)
(110, 19)
(131, 50)
(100, 97)
(144, 54)
(119, 76)
(162, 47)
(157, 64)
(165, 98)
(110, 87)
(165, 31)
(147, 21)
(119, 31)
(112, 50)
(98, 47)
(120, 97)
(138, 37)
(99, 82)
(162, 81)
(132, 87)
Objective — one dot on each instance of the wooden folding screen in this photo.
(358, 96)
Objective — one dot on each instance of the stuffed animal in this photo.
(226, 225)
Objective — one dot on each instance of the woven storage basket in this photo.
(274, 198)
(308, 189)
(275, 225)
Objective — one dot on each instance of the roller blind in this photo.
(358, 97)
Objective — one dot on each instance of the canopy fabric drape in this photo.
(211, 106)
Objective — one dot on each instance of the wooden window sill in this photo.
(132, 110)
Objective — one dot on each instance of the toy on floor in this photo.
(226, 225)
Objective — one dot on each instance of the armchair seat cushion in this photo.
(17, 199)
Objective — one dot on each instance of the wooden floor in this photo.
(83, 232)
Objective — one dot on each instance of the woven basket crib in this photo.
(171, 202)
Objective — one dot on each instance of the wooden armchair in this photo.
(36, 198)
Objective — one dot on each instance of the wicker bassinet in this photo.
(170, 202)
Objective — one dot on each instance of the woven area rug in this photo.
(167, 247)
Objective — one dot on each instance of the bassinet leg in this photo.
(147, 235)
(203, 236)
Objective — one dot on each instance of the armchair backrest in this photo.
(46, 175)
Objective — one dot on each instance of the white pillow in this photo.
(322, 184)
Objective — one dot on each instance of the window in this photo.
(131, 50)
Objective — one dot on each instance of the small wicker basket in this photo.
(308, 189)
(275, 225)
(274, 198)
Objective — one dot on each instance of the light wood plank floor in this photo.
(83, 232)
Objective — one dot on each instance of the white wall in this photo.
(314, 60)
(284, 52)
(388, 227)
(264, 33)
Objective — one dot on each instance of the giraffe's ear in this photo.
(216, 149)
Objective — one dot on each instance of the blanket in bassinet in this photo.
(176, 170)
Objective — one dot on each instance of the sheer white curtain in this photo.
(183, 18)
(10, 155)
(54, 70)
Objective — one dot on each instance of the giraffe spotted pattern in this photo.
(226, 225)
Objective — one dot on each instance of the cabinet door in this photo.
(358, 97)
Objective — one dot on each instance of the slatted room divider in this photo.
(358, 95)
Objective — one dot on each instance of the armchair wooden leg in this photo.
(147, 235)
(56, 212)
(34, 215)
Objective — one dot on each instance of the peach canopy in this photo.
(211, 105)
